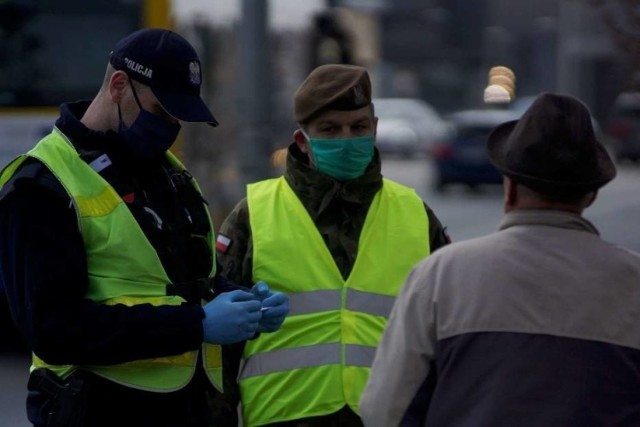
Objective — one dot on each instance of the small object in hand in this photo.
(264, 308)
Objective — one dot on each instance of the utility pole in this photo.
(255, 93)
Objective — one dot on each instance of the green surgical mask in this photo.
(343, 158)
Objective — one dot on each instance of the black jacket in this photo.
(44, 269)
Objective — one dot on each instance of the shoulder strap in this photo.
(33, 171)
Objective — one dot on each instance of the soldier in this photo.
(339, 239)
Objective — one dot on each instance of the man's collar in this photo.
(552, 218)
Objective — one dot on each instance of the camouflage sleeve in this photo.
(233, 253)
(234, 246)
(438, 236)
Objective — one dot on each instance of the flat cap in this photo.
(332, 87)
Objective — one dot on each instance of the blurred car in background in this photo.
(407, 127)
(623, 127)
(521, 104)
(462, 158)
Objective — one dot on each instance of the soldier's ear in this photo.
(301, 141)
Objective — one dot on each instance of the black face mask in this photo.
(149, 136)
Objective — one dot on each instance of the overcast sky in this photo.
(282, 13)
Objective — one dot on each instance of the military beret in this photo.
(332, 87)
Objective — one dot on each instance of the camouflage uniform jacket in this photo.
(337, 209)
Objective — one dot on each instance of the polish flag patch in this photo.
(222, 243)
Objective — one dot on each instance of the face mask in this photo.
(149, 136)
(344, 158)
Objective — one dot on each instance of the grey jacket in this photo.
(536, 324)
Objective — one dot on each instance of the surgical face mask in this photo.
(343, 158)
(149, 136)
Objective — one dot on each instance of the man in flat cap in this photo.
(534, 325)
(339, 240)
(107, 253)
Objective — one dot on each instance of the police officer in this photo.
(339, 240)
(106, 253)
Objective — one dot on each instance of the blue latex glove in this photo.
(275, 306)
(261, 290)
(231, 317)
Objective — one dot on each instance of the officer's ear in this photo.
(301, 141)
(118, 84)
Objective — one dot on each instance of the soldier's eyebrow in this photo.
(362, 119)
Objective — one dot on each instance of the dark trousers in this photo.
(345, 417)
(108, 404)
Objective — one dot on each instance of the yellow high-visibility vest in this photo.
(320, 359)
(127, 270)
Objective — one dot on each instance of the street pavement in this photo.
(14, 367)
(472, 213)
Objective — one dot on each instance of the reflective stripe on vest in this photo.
(116, 277)
(319, 360)
(307, 357)
(326, 300)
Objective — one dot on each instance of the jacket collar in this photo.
(91, 143)
(317, 191)
(69, 123)
(552, 218)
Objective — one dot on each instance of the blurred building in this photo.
(446, 47)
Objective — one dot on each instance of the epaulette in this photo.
(34, 172)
